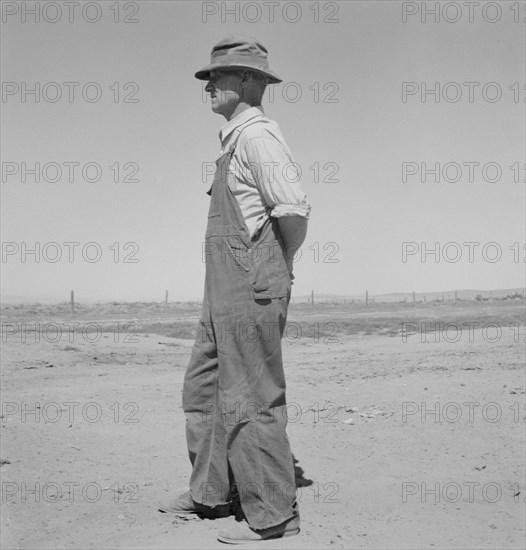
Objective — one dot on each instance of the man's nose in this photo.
(209, 87)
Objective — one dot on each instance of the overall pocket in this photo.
(239, 251)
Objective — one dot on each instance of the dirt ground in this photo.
(399, 442)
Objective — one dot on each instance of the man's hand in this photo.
(293, 230)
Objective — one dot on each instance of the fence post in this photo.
(72, 300)
(166, 297)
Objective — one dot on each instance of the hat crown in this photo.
(239, 52)
(240, 45)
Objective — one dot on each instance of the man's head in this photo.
(229, 88)
(237, 74)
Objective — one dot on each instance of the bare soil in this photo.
(401, 441)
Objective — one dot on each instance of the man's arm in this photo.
(277, 179)
(293, 230)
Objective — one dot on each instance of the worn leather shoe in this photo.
(240, 533)
(184, 505)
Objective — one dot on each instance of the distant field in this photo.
(323, 321)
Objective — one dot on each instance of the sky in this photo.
(375, 96)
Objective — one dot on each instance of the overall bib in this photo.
(234, 387)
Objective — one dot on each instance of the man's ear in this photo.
(246, 77)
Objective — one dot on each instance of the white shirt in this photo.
(265, 178)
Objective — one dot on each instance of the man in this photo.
(234, 388)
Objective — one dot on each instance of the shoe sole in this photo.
(185, 513)
(178, 512)
(290, 533)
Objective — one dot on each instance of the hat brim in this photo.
(204, 73)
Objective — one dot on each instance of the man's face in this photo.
(224, 88)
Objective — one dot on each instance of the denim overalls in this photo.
(234, 387)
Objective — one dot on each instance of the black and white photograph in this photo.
(263, 274)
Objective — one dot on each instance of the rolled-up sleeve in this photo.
(276, 176)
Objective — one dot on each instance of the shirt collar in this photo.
(238, 120)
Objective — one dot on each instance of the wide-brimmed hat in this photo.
(241, 52)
